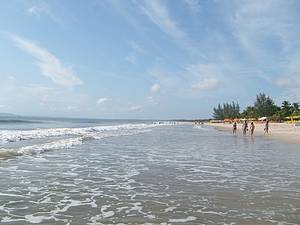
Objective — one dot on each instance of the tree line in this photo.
(263, 106)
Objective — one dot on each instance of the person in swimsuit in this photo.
(252, 127)
(234, 127)
(267, 127)
(245, 127)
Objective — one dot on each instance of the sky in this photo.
(146, 59)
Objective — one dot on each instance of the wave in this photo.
(37, 149)
(81, 135)
(19, 135)
(7, 153)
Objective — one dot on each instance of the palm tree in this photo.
(295, 108)
(286, 108)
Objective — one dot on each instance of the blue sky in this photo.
(146, 59)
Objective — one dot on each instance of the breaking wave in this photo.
(79, 136)
(19, 135)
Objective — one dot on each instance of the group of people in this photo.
(251, 128)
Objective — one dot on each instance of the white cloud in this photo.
(48, 63)
(12, 78)
(155, 88)
(207, 84)
(136, 108)
(193, 77)
(101, 101)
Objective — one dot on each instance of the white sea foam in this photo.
(36, 219)
(12, 195)
(39, 148)
(170, 209)
(183, 220)
(80, 135)
(19, 135)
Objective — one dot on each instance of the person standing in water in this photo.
(252, 127)
(267, 127)
(234, 127)
(245, 127)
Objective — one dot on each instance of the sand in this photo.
(288, 133)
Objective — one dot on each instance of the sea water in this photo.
(64, 171)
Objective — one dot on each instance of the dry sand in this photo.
(288, 133)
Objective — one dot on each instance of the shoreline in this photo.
(287, 133)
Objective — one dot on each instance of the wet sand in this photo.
(288, 133)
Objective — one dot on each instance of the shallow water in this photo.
(152, 175)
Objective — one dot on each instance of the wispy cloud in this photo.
(207, 84)
(42, 9)
(268, 31)
(190, 80)
(48, 63)
(290, 81)
(287, 82)
(207, 70)
(149, 99)
(136, 47)
(43, 99)
(194, 5)
(135, 52)
(101, 101)
(205, 76)
(256, 23)
(159, 14)
(131, 57)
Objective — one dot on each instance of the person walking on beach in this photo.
(267, 127)
(252, 127)
(245, 127)
(234, 127)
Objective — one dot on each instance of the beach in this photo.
(144, 172)
(288, 133)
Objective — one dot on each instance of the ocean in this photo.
(88, 171)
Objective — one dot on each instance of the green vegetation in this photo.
(227, 110)
(263, 106)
